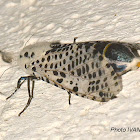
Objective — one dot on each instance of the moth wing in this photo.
(88, 75)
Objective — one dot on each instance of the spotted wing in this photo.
(80, 69)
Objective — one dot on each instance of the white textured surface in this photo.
(49, 116)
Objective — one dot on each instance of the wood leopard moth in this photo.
(90, 69)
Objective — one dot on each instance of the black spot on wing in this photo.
(55, 73)
(64, 61)
(53, 50)
(48, 58)
(105, 79)
(59, 80)
(93, 88)
(87, 68)
(46, 65)
(34, 69)
(32, 54)
(43, 59)
(37, 61)
(88, 89)
(55, 66)
(101, 94)
(63, 74)
(97, 87)
(40, 65)
(112, 73)
(75, 89)
(51, 66)
(89, 76)
(83, 69)
(47, 52)
(98, 81)
(94, 74)
(71, 82)
(70, 57)
(60, 56)
(108, 65)
(26, 54)
(73, 64)
(100, 72)
(79, 72)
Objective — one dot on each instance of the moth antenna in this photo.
(28, 39)
(7, 70)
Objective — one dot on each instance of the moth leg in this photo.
(69, 97)
(21, 80)
(30, 78)
(74, 41)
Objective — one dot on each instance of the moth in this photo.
(92, 70)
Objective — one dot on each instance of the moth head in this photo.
(32, 53)
(121, 57)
